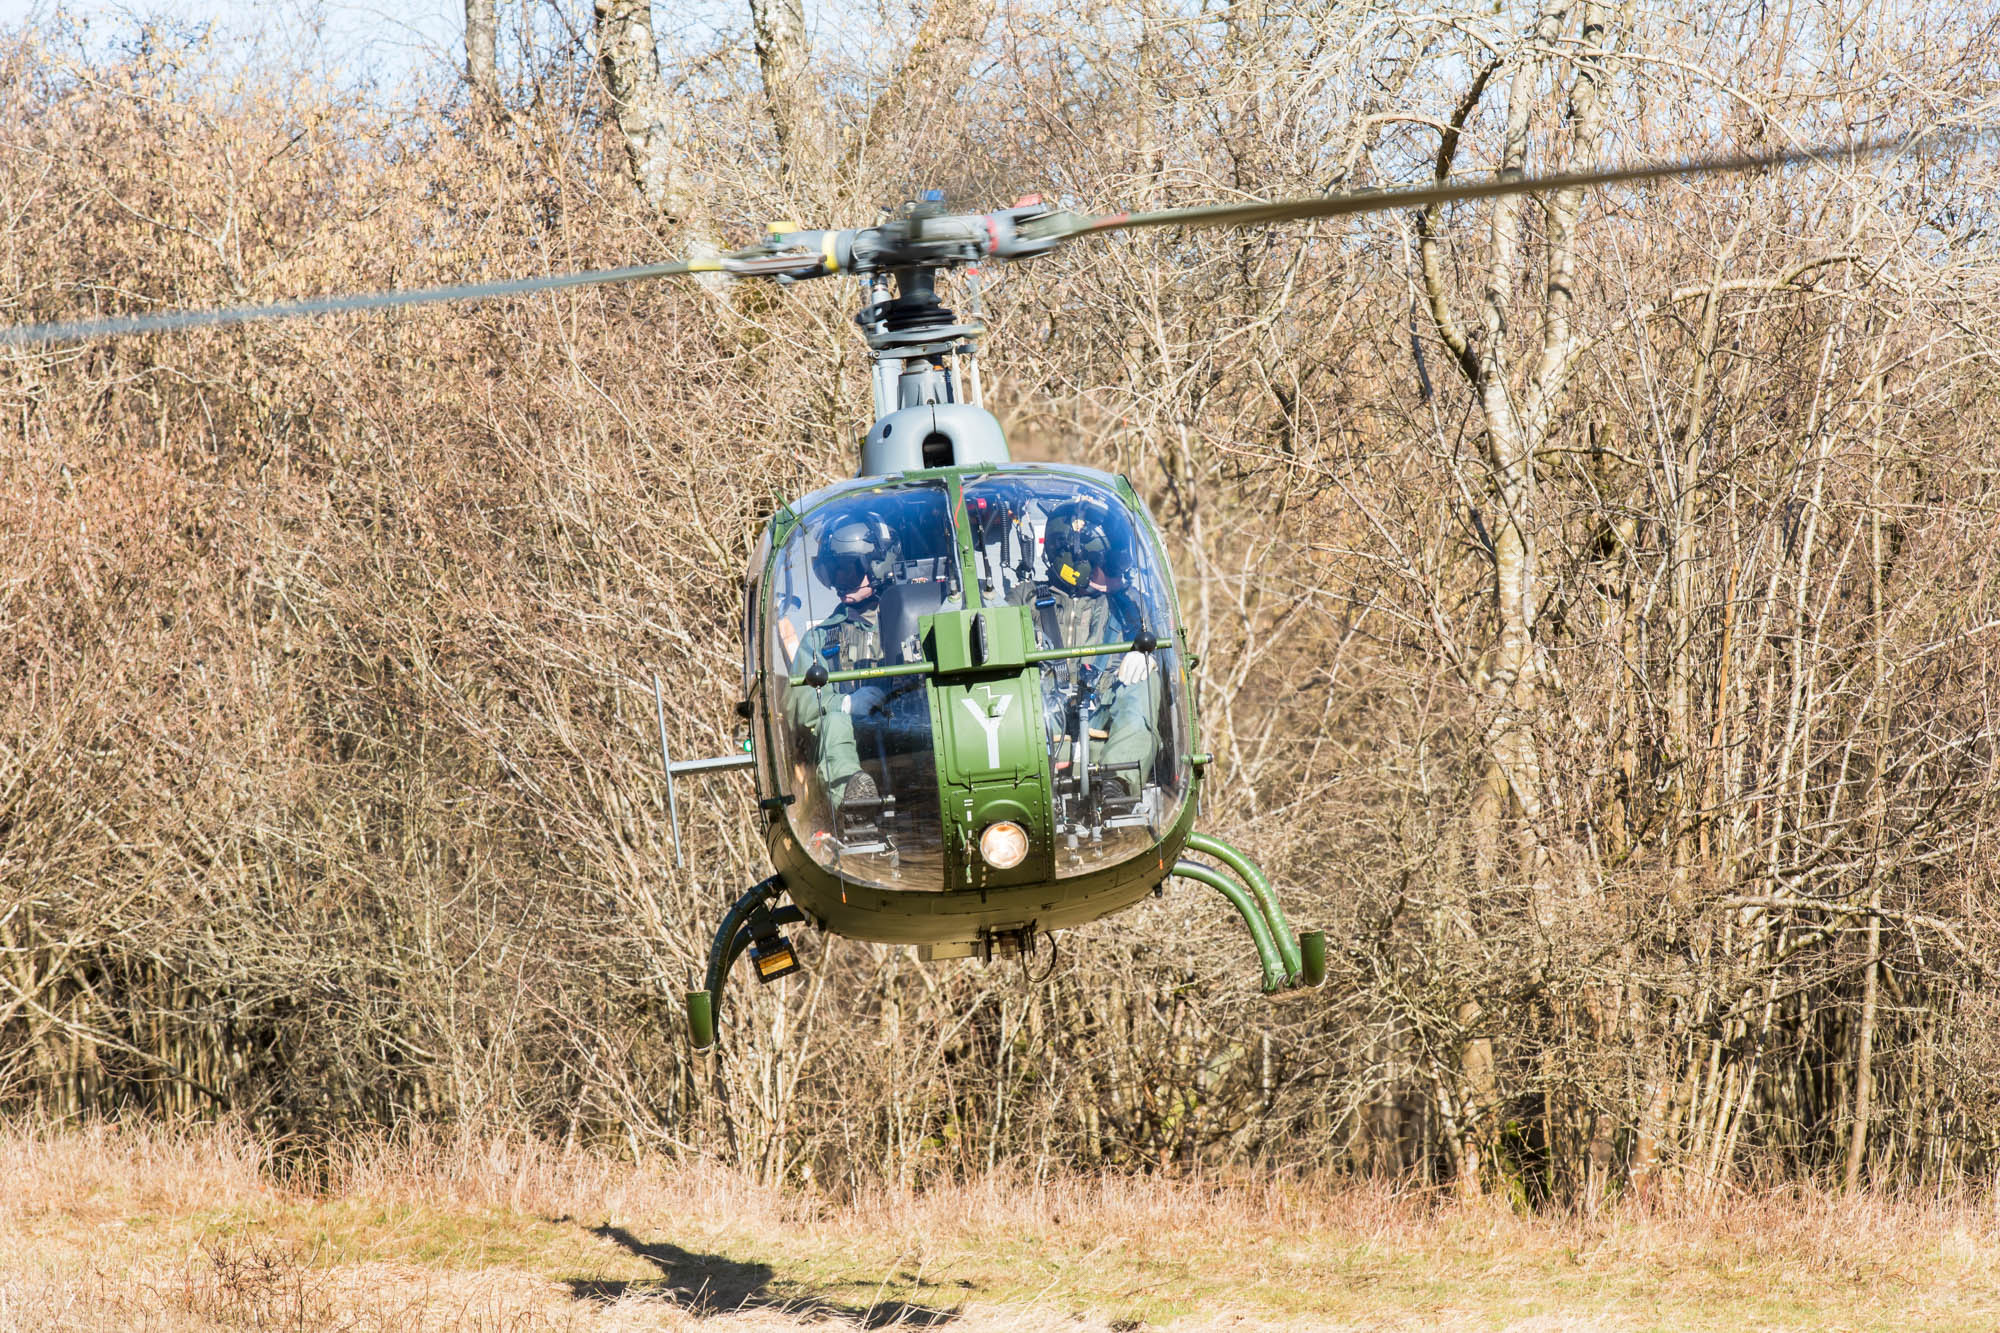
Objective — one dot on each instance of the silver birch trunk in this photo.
(641, 104)
(481, 69)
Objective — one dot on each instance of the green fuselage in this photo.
(982, 681)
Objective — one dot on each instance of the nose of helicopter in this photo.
(992, 763)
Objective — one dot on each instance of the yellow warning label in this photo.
(1069, 575)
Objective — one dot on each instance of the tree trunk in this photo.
(1871, 978)
(639, 99)
(785, 60)
(481, 71)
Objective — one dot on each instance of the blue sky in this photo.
(350, 40)
(386, 42)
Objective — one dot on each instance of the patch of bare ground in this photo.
(136, 1229)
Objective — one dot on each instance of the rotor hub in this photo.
(916, 305)
(914, 322)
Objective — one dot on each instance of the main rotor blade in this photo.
(123, 326)
(1494, 187)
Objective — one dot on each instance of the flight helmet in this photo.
(856, 546)
(1084, 539)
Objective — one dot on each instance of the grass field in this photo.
(128, 1231)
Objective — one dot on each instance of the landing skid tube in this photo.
(1286, 959)
(750, 919)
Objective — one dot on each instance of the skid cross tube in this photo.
(1274, 912)
(1246, 907)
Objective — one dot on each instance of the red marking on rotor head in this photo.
(992, 233)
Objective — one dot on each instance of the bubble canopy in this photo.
(892, 773)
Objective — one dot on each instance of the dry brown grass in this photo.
(120, 1228)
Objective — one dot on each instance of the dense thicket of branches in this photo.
(1597, 598)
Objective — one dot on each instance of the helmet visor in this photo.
(844, 572)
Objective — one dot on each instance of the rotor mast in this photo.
(922, 353)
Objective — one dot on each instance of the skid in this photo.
(732, 937)
(1286, 959)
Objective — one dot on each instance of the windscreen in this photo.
(847, 591)
(1115, 722)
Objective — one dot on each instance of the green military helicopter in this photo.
(967, 689)
(965, 681)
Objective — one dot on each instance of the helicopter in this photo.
(968, 699)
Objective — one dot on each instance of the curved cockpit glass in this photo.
(1115, 722)
(847, 592)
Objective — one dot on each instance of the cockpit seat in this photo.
(904, 605)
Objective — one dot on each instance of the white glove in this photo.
(865, 700)
(1133, 668)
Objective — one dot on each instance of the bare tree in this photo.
(926, 82)
(1515, 413)
(784, 58)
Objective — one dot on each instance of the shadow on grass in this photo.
(712, 1284)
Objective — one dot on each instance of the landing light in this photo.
(1004, 845)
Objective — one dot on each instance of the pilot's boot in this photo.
(862, 791)
(839, 759)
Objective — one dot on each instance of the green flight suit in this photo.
(1127, 714)
(855, 639)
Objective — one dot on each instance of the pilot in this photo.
(856, 556)
(1084, 597)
